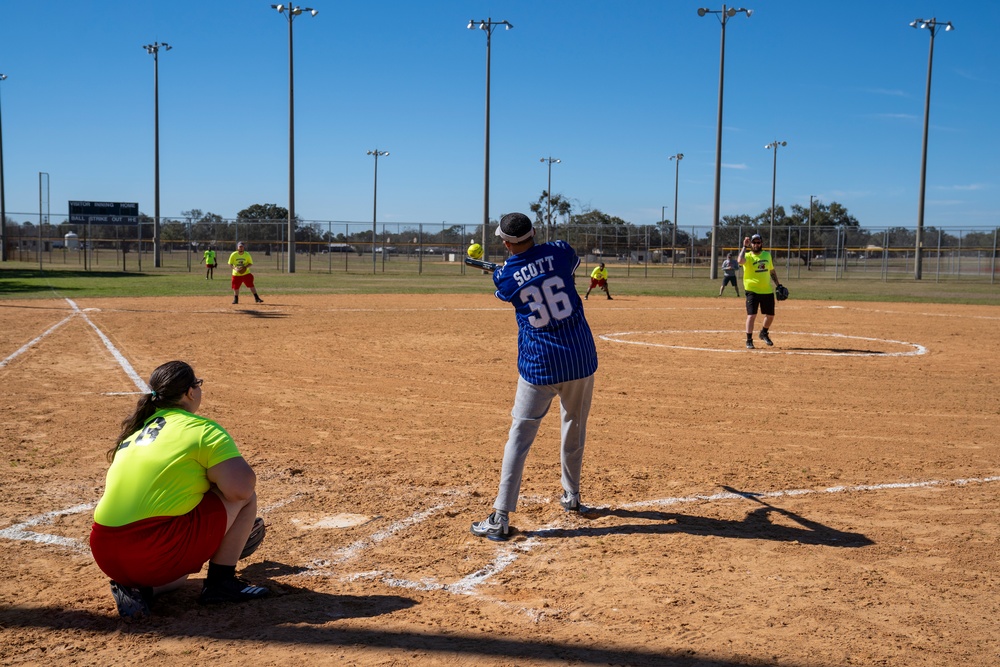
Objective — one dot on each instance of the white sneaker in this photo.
(492, 527)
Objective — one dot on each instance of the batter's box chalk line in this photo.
(912, 349)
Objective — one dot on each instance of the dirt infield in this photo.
(828, 501)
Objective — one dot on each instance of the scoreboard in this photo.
(103, 213)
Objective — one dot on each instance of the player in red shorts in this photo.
(599, 278)
(241, 261)
(178, 493)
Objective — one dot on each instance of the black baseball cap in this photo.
(515, 228)
(756, 238)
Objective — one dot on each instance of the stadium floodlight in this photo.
(487, 26)
(377, 153)
(931, 26)
(290, 13)
(154, 50)
(774, 179)
(723, 15)
(3, 203)
(673, 239)
(548, 222)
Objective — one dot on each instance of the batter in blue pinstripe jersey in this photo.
(556, 357)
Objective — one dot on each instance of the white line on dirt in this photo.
(18, 532)
(352, 550)
(24, 348)
(122, 361)
(915, 351)
(803, 492)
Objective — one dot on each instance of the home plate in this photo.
(335, 521)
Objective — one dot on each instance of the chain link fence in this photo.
(640, 250)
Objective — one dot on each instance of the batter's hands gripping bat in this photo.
(480, 264)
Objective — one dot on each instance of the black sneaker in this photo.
(256, 537)
(236, 299)
(764, 337)
(493, 528)
(132, 602)
(231, 590)
(749, 344)
(258, 299)
(570, 501)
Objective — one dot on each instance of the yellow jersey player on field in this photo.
(210, 262)
(241, 261)
(758, 272)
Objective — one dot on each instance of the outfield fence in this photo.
(416, 248)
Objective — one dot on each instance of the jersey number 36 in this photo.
(547, 301)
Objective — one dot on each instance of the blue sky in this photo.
(610, 87)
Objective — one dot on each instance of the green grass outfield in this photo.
(23, 280)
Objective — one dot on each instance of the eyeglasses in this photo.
(198, 383)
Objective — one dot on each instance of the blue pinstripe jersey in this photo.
(554, 342)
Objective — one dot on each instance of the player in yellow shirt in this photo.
(241, 261)
(178, 493)
(210, 261)
(758, 272)
(599, 278)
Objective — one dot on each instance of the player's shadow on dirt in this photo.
(280, 622)
(260, 314)
(756, 525)
(297, 617)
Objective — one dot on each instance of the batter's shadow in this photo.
(756, 525)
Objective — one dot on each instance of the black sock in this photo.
(217, 573)
(763, 332)
(749, 336)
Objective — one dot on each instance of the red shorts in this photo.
(245, 279)
(597, 282)
(158, 550)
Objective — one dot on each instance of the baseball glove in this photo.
(781, 293)
(256, 537)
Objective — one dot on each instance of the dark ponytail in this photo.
(167, 385)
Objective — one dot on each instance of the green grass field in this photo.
(325, 275)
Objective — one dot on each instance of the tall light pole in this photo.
(377, 153)
(3, 203)
(932, 26)
(154, 50)
(673, 240)
(548, 227)
(724, 15)
(774, 180)
(487, 26)
(809, 241)
(290, 13)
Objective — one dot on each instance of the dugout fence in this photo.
(415, 248)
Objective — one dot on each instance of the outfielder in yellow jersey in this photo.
(211, 261)
(241, 261)
(178, 493)
(599, 278)
(758, 272)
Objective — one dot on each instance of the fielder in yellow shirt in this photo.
(758, 272)
(241, 261)
(210, 262)
(599, 278)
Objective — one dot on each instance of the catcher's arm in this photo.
(480, 264)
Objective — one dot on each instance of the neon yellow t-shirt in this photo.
(162, 469)
(209, 257)
(598, 273)
(240, 262)
(757, 272)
